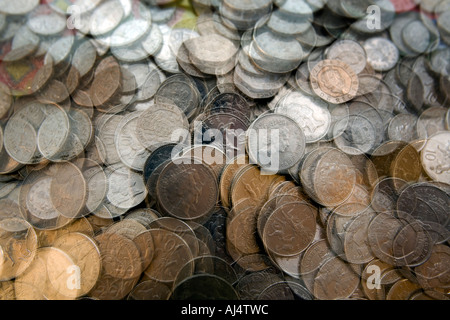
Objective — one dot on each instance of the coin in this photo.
(334, 81)
(165, 123)
(433, 157)
(350, 52)
(289, 229)
(84, 252)
(275, 142)
(311, 114)
(168, 247)
(382, 54)
(185, 199)
(19, 243)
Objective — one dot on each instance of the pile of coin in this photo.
(224, 149)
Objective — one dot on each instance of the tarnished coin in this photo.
(334, 81)
(184, 199)
(120, 257)
(290, 229)
(335, 167)
(165, 123)
(171, 254)
(434, 272)
(382, 54)
(335, 280)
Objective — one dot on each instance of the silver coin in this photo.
(154, 40)
(129, 32)
(24, 43)
(165, 58)
(126, 188)
(212, 54)
(163, 123)
(84, 57)
(45, 21)
(359, 136)
(128, 147)
(38, 200)
(53, 132)
(106, 17)
(382, 54)
(105, 142)
(416, 37)
(403, 128)
(20, 141)
(275, 142)
(350, 52)
(19, 7)
(310, 113)
(396, 30)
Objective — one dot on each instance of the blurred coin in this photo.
(204, 287)
(350, 52)
(125, 187)
(19, 243)
(382, 54)
(183, 199)
(434, 157)
(86, 256)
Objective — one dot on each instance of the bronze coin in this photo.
(187, 191)
(106, 82)
(335, 280)
(290, 229)
(434, 273)
(171, 254)
(19, 243)
(120, 257)
(334, 81)
(86, 257)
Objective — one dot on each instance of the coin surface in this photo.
(334, 81)
(194, 196)
(275, 142)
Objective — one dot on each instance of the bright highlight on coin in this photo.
(253, 150)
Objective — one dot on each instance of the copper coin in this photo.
(86, 256)
(120, 257)
(107, 81)
(335, 280)
(241, 231)
(68, 189)
(434, 273)
(226, 177)
(171, 254)
(334, 81)
(290, 229)
(334, 178)
(19, 243)
(187, 191)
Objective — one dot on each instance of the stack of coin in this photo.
(224, 150)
